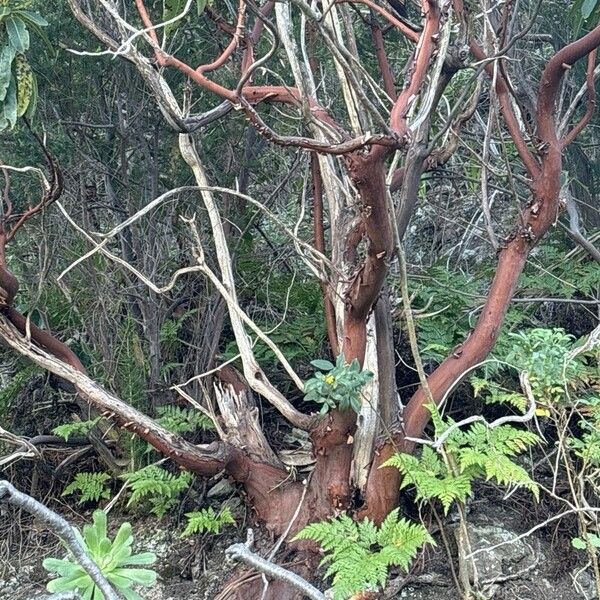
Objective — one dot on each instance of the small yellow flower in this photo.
(329, 379)
(542, 412)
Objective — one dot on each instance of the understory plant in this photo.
(78, 428)
(207, 520)
(360, 554)
(565, 383)
(183, 420)
(447, 469)
(115, 559)
(91, 487)
(158, 487)
(447, 472)
(336, 385)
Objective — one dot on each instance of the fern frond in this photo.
(401, 539)
(183, 420)
(507, 473)
(512, 441)
(157, 485)
(81, 428)
(207, 520)
(431, 478)
(91, 486)
(359, 554)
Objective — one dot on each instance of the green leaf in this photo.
(119, 581)
(6, 58)
(322, 364)
(10, 103)
(64, 584)
(100, 524)
(143, 558)
(587, 8)
(131, 594)
(39, 32)
(17, 34)
(62, 567)
(32, 105)
(4, 11)
(123, 537)
(578, 543)
(111, 557)
(144, 577)
(31, 16)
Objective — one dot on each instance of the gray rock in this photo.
(583, 582)
(221, 489)
(508, 557)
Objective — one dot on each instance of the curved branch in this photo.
(237, 36)
(423, 54)
(63, 529)
(56, 357)
(563, 60)
(591, 102)
(502, 91)
(403, 27)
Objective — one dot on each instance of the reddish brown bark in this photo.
(382, 59)
(383, 484)
(330, 489)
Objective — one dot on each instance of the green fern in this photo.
(17, 383)
(431, 478)
(207, 520)
(81, 428)
(360, 554)
(478, 453)
(492, 393)
(183, 420)
(91, 487)
(157, 486)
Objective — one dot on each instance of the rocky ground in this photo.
(535, 567)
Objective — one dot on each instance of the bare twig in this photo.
(243, 553)
(63, 529)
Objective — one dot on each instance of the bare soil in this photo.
(538, 567)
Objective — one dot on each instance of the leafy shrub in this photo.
(338, 386)
(360, 554)
(543, 354)
(113, 558)
(207, 520)
(91, 486)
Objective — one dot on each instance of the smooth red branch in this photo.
(233, 44)
(591, 102)
(252, 39)
(563, 60)
(502, 91)
(418, 69)
(391, 19)
(382, 59)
